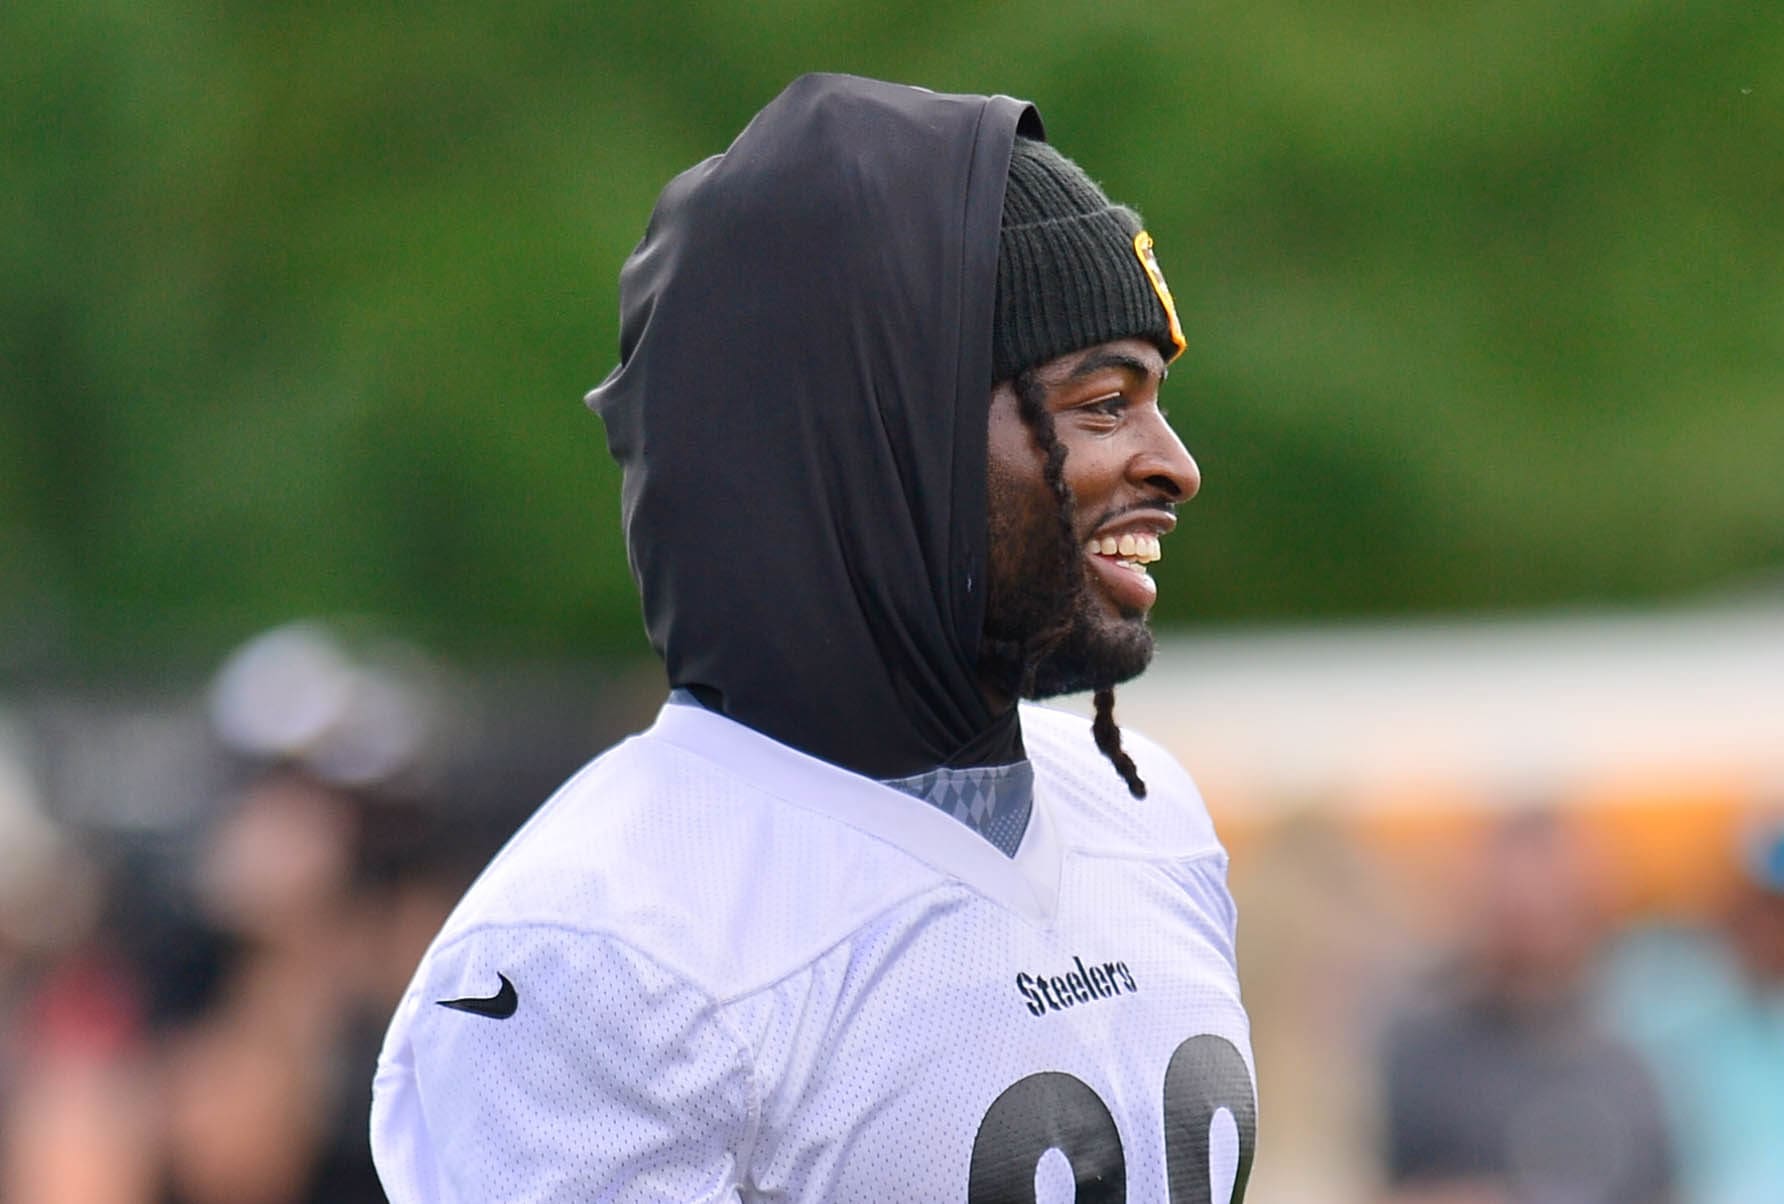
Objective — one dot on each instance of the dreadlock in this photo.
(1108, 740)
(1031, 405)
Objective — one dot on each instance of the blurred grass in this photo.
(297, 305)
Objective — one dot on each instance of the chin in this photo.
(1097, 654)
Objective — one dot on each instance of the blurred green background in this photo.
(298, 303)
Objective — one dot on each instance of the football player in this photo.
(852, 921)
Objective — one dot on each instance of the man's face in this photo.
(1076, 603)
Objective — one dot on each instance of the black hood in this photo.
(800, 413)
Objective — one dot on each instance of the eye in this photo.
(1106, 407)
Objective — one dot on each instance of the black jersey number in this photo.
(1057, 1111)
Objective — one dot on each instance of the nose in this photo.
(1164, 464)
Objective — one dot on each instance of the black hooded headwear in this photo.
(800, 413)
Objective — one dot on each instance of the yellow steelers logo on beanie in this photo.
(1149, 261)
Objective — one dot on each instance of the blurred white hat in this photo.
(354, 713)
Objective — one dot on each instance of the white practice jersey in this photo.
(712, 968)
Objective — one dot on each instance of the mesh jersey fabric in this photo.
(745, 974)
(992, 800)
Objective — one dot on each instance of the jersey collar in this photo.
(1026, 883)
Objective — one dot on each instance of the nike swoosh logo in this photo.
(499, 1006)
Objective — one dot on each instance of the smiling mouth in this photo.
(1132, 551)
(1119, 563)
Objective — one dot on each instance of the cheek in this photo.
(1028, 551)
(1094, 476)
(1013, 478)
(1011, 501)
(1008, 444)
(1012, 465)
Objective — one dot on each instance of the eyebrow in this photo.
(1090, 365)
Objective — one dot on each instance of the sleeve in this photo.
(608, 1078)
(1212, 912)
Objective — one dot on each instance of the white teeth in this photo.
(1141, 548)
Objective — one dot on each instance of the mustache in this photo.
(1154, 505)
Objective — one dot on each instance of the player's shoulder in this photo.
(693, 861)
(1093, 805)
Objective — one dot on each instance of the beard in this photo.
(1046, 630)
(1094, 654)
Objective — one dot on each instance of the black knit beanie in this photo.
(1072, 267)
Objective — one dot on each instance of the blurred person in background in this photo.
(205, 1040)
(1706, 1007)
(77, 1081)
(328, 871)
(1500, 1085)
(201, 1027)
(330, 894)
(252, 1083)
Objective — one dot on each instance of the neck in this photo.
(999, 744)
